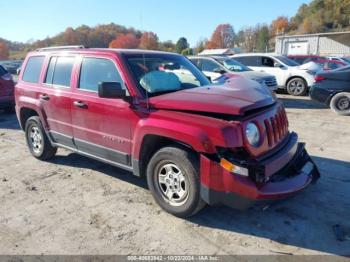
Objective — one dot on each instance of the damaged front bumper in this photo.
(287, 172)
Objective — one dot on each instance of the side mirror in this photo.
(111, 90)
(276, 64)
(219, 71)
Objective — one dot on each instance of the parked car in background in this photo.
(11, 65)
(333, 89)
(343, 59)
(7, 86)
(290, 75)
(215, 66)
(302, 59)
(325, 64)
(158, 116)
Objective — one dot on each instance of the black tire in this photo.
(340, 103)
(34, 127)
(186, 162)
(297, 86)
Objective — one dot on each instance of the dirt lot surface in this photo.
(74, 205)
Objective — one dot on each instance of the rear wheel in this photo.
(172, 176)
(38, 142)
(340, 103)
(297, 86)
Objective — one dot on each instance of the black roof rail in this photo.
(61, 47)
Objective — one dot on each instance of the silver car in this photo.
(215, 66)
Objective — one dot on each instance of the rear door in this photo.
(101, 126)
(55, 97)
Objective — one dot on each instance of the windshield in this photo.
(158, 74)
(233, 65)
(285, 60)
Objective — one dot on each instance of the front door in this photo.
(268, 65)
(101, 126)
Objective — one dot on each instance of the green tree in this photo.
(181, 45)
(187, 51)
(262, 39)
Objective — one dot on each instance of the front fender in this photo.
(202, 136)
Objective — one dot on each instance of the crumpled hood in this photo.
(234, 97)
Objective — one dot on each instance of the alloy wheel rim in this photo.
(35, 139)
(173, 184)
(296, 87)
(343, 103)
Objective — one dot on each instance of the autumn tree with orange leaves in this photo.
(4, 51)
(223, 37)
(149, 40)
(125, 41)
(280, 25)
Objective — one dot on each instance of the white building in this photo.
(335, 43)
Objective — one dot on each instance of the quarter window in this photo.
(96, 70)
(33, 69)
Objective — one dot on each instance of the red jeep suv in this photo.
(156, 115)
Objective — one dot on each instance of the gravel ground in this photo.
(74, 205)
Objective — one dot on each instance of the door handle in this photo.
(44, 97)
(80, 104)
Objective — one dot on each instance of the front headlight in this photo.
(252, 134)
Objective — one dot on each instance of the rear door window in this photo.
(96, 70)
(32, 70)
(248, 60)
(63, 71)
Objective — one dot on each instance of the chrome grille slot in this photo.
(276, 127)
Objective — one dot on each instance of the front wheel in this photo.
(340, 104)
(297, 86)
(38, 142)
(172, 177)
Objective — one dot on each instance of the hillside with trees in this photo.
(317, 16)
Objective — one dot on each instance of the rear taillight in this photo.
(319, 78)
(7, 77)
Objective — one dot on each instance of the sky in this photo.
(24, 20)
